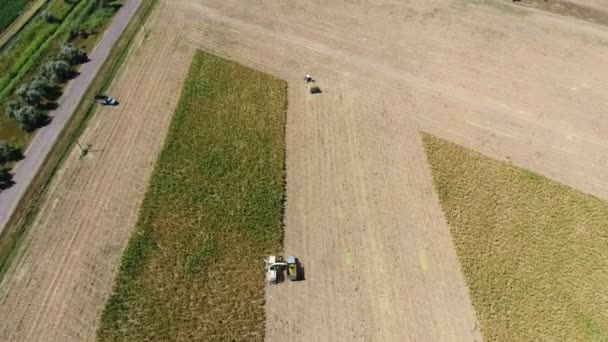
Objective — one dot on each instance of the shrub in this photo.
(32, 97)
(49, 18)
(8, 153)
(56, 70)
(5, 152)
(72, 54)
(42, 86)
(11, 109)
(29, 118)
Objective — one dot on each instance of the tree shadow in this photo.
(53, 93)
(6, 179)
(15, 155)
(44, 120)
(72, 74)
(115, 7)
(50, 105)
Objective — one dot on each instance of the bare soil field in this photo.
(361, 212)
(590, 10)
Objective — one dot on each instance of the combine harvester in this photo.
(312, 85)
(275, 266)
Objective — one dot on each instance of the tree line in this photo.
(33, 98)
(8, 154)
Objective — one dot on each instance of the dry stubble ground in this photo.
(361, 212)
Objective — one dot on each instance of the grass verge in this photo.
(533, 251)
(193, 269)
(27, 208)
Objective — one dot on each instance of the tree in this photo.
(72, 54)
(42, 86)
(102, 3)
(6, 178)
(30, 118)
(49, 18)
(8, 153)
(29, 95)
(11, 109)
(5, 152)
(56, 70)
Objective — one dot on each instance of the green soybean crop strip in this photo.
(193, 269)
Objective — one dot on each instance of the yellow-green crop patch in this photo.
(193, 270)
(534, 252)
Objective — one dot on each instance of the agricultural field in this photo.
(211, 214)
(9, 11)
(533, 251)
(361, 211)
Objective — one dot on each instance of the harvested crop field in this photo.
(212, 213)
(532, 249)
(508, 82)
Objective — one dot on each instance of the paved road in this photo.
(45, 138)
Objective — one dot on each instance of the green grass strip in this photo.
(534, 252)
(59, 9)
(193, 269)
(23, 50)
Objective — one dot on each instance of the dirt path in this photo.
(43, 141)
(361, 211)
